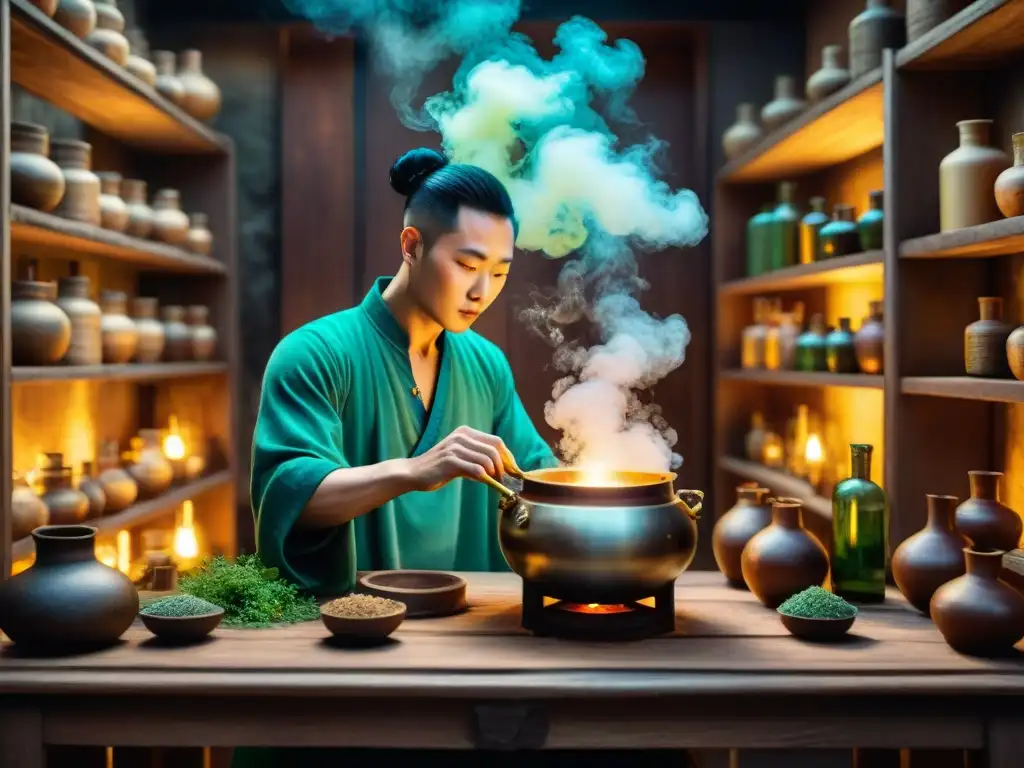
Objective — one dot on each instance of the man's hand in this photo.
(466, 452)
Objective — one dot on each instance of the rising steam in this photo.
(534, 123)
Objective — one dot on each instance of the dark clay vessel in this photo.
(68, 599)
(977, 613)
(931, 557)
(783, 559)
(983, 520)
(735, 528)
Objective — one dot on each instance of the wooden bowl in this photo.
(363, 628)
(426, 593)
(816, 629)
(183, 628)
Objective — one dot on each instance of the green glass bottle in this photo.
(860, 532)
(785, 229)
(758, 241)
(810, 227)
(870, 224)
(811, 349)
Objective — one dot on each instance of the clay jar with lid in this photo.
(750, 514)
(202, 96)
(40, 330)
(170, 224)
(177, 336)
(36, 181)
(200, 239)
(73, 296)
(985, 341)
(983, 519)
(76, 16)
(831, 77)
(81, 200)
(151, 470)
(932, 556)
(140, 215)
(204, 335)
(113, 210)
(138, 57)
(742, 134)
(1009, 186)
(119, 487)
(167, 83)
(967, 177)
(120, 336)
(66, 504)
(785, 106)
(108, 35)
(150, 347)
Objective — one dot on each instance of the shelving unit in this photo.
(71, 409)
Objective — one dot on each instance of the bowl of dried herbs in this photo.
(181, 618)
(362, 617)
(817, 614)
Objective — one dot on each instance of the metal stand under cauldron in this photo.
(548, 616)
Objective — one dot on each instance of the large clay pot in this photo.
(167, 83)
(871, 223)
(40, 331)
(831, 77)
(93, 491)
(81, 200)
(108, 35)
(202, 96)
(151, 331)
(177, 337)
(931, 557)
(200, 239)
(36, 181)
(744, 133)
(967, 176)
(119, 488)
(878, 27)
(985, 341)
(74, 297)
(750, 514)
(785, 106)
(977, 613)
(140, 215)
(985, 521)
(152, 472)
(67, 505)
(783, 559)
(113, 210)
(869, 341)
(28, 511)
(76, 16)
(138, 57)
(120, 336)
(169, 223)
(203, 335)
(923, 15)
(49, 7)
(67, 599)
(1009, 187)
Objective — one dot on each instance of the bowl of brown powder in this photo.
(362, 617)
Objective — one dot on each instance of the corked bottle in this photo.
(67, 505)
(869, 341)
(750, 514)
(202, 96)
(870, 224)
(40, 330)
(113, 210)
(81, 200)
(150, 348)
(840, 354)
(140, 215)
(1009, 187)
(120, 335)
(810, 231)
(92, 489)
(138, 57)
(200, 239)
(76, 16)
(831, 77)
(108, 35)
(744, 133)
(74, 297)
(119, 488)
(923, 15)
(203, 335)
(839, 237)
(985, 341)
(932, 556)
(167, 83)
(876, 28)
(983, 519)
(36, 181)
(967, 177)
(169, 223)
(785, 106)
(177, 337)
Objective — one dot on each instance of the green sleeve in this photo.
(514, 426)
(296, 444)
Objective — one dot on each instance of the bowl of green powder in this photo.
(362, 617)
(817, 614)
(181, 618)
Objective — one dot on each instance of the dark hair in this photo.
(435, 190)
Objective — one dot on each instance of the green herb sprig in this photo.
(817, 603)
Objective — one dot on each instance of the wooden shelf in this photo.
(863, 267)
(997, 238)
(127, 372)
(965, 388)
(142, 512)
(779, 482)
(50, 62)
(803, 379)
(986, 33)
(843, 126)
(29, 226)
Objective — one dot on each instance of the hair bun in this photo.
(412, 169)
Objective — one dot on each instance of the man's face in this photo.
(465, 270)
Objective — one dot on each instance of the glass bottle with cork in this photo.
(860, 532)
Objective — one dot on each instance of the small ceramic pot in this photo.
(81, 200)
(76, 16)
(931, 557)
(200, 239)
(742, 134)
(93, 491)
(120, 336)
(167, 83)
(923, 15)
(202, 96)
(113, 210)
(831, 77)
(878, 27)
(49, 7)
(152, 472)
(750, 514)
(983, 519)
(119, 488)
(140, 215)
(1009, 186)
(967, 178)
(203, 335)
(150, 348)
(74, 297)
(985, 341)
(108, 35)
(66, 504)
(36, 181)
(177, 336)
(170, 225)
(1015, 352)
(28, 511)
(138, 57)
(40, 330)
(785, 106)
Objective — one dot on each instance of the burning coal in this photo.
(533, 122)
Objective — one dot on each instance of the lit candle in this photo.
(186, 544)
(814, 457)
(124, 551)
(772, 453)
(174, 449)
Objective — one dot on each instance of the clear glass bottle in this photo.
(860, 532)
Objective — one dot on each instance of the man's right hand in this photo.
(466, 452)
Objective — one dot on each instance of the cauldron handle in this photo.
(691, 502)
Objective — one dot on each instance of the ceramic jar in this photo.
(36, 181)
(48, 7)
(76, 16)
(780, 346)
(150, 347)
(202, 96)
(203, 335)
(870, 224)
(169, 224)
(65, 503)
(93, 491)
(120, 336)
(967, 177)
(744, 133)
(73, 296)
(113, 210)
(923, 15)
(783, 558)
(28, 511)
(985, 341)
(931, 557)
(40, 331)
(1009, 186)
(753, 443)
(177, 337)
(81, 200)
(167, 83)
(978, 614)
(840, 355)
(984, 521)
(200, 239)
(151, 470)
(119, 488)
(108, 35)
(840, 236)
(869, 341)
(138, 57)
(752, 339)
(831, 77)
(785, 106)
(810, 347)
(878, 27)
(1015, 352)
(784, 230)
(810, 231)
(750, 514)
(140, 215)
(67, 599)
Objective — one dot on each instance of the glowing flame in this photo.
(596, 475)
(813, 451)
(174, 446)
(124, 551)
(186, 545)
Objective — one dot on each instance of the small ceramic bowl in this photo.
(426, 593)
(183, 628)
(364, 628)
(816, 629)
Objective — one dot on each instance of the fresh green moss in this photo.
(817, 603)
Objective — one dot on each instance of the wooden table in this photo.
(729, 677)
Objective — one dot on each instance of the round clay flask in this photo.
(74, 297)
(967, 177)
(923, 15)
(750, 514)
(67, 599)
(202, 96)
(138, 57)
(81, 200)
(931, 557)
(36, 181)
(978, 614)
(783, 559)
(120, 336)
(1015, 352)
(119, 488)
(108, 35)
(985, 341)
(785, 106)
(869, 341)
(203, 335)
(113, 210)
(742, 134)
(831, 77)
(152, 472)
(151, 331)
(28, 511)
(40, 330)
(67, 505)
(878, 27)
(167, 83)
(200, 239)
(49, 7)
(169, 223)
(76, 16)
(93, 491)
(177, 337)
(140, 215)
(985, 521)
(1010, 183)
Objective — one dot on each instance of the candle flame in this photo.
(186, 545)
(813, 451)
(124, 551)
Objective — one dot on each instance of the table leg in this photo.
(1005, 742)
(21, 735)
